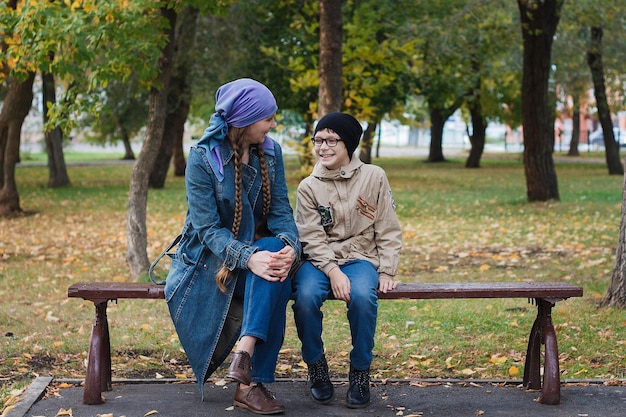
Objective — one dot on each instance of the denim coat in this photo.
(208, 321)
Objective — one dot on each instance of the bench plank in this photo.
(544, 295)
(484, 290)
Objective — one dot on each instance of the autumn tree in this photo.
(330, 64)
(16, 105)
(178, 99)
(379, 62)
(136, 230)
(96, 52)
(539, 20)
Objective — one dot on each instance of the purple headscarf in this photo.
(238, 103)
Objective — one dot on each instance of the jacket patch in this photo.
(366, 209)
(325, 215)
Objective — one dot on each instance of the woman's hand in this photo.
(272, 266)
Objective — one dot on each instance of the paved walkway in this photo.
(452, 398)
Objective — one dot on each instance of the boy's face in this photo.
(331, 157)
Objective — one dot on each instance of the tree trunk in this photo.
(330, 66)
(365, 154)
(477, 139)
(57, 169)
(616, 294)
(437, 120)
(128, 149)
(539, 21)
(137, 256)
(17, 103)
(594, 60)
(479, 123)
(178, 100)
(575, 140)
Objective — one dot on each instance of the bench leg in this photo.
(532, 366)
(98, 376)
(551, 391)
(543, 332)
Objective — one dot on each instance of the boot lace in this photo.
(361, 379)
(318, 372)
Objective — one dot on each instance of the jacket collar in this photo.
(344, 172)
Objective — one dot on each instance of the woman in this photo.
(229, 279)
(351, 239)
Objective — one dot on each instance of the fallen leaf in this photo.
(64, 412)
(150, 413)
(497, 359)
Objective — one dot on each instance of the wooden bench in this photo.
(543, 294)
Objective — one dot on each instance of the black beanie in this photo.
(347, 127)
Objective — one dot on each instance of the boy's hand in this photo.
(386, 283)
(340, 284)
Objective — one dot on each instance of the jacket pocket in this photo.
(181, 269)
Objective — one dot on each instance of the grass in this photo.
(459, 225)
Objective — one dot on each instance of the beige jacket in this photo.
(349, 214)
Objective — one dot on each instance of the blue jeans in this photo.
(312, 288)
(264, 315)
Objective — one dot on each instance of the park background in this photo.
(459, 223)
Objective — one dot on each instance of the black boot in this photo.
(322, 389)
(358, 395)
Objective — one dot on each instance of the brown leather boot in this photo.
(240, 367)
(258, 399)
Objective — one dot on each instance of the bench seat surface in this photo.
(546, 290)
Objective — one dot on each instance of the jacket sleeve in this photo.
(312, 233)
(387, 229)
(280, 220)
(206, 217)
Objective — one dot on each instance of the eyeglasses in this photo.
(329, 141)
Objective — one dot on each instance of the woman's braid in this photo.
(234, 135)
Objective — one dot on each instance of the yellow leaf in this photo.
(484, 267)
(497, 359)
(150, 413)
(180, 376)
(146, 327)
(449, 363)
(513, 371)
(283, 367)
(64, 412)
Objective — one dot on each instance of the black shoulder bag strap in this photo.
(165, 252)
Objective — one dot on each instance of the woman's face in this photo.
(331, 157)
(255, 133)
